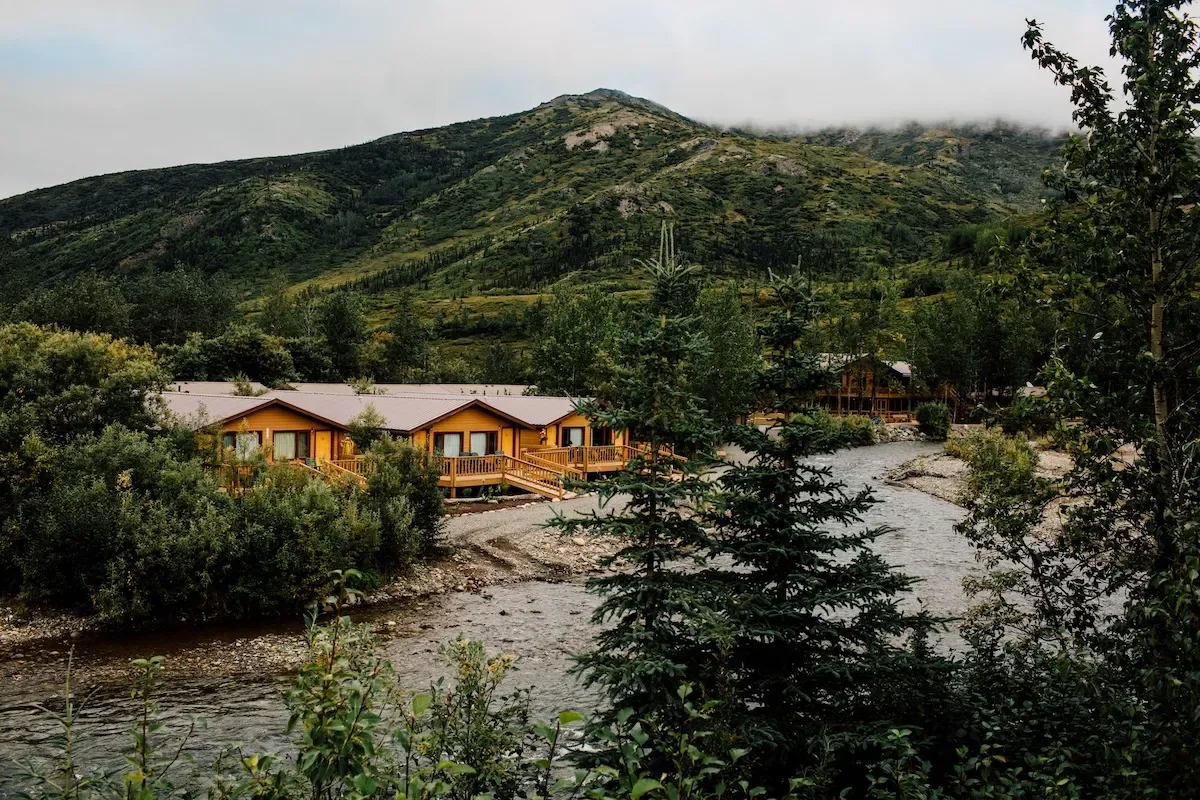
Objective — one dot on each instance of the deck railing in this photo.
(472, 465)
(558, 461)
(536, 473)
(609, 453)
(235, 479)
(356, 465)
(548, 469)
(554, 455)
(579, 459)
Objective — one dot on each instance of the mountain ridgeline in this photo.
(570, 192)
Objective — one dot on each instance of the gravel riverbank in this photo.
(939, 474)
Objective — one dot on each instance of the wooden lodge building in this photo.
(869, 386)
(479, 439)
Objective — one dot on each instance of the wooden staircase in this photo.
(351, 469)
(544, 480)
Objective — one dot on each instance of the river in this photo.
(542, 622)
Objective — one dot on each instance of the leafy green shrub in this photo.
(933, 419)
(1000, 465)
(291, 531)
(403, 489)
(472, 723)
(366, 428)
(124, 527)
(856, 431)
(128, 527)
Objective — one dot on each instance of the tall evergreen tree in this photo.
(815, 626)
(653, 639)
(343, 324)
(407, 349)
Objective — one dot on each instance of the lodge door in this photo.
(506, 441)
(324, 445)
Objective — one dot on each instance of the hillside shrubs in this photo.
(933, 419)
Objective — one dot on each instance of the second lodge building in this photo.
(479, 439)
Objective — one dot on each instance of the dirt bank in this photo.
(497, 546)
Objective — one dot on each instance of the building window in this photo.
(244, 444)
(601, 436)
(290, 445)
(447, 444)
(570, 437)
(483, 443)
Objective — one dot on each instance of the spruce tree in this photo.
(813, 614)
(652, 640)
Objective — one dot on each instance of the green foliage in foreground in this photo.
(357, 734)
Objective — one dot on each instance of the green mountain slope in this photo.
(569, 192)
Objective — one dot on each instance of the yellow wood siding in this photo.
(531, 438)
(268, 420)
(466, 422)
(275, 419)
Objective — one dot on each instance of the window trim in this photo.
(609, 434)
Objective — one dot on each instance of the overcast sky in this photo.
(95, 86)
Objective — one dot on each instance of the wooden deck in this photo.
(545, 471)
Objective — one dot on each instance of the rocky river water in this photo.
(543, 622)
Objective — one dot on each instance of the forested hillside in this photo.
(574, 188)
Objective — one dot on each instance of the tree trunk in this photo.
(1157, 314)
